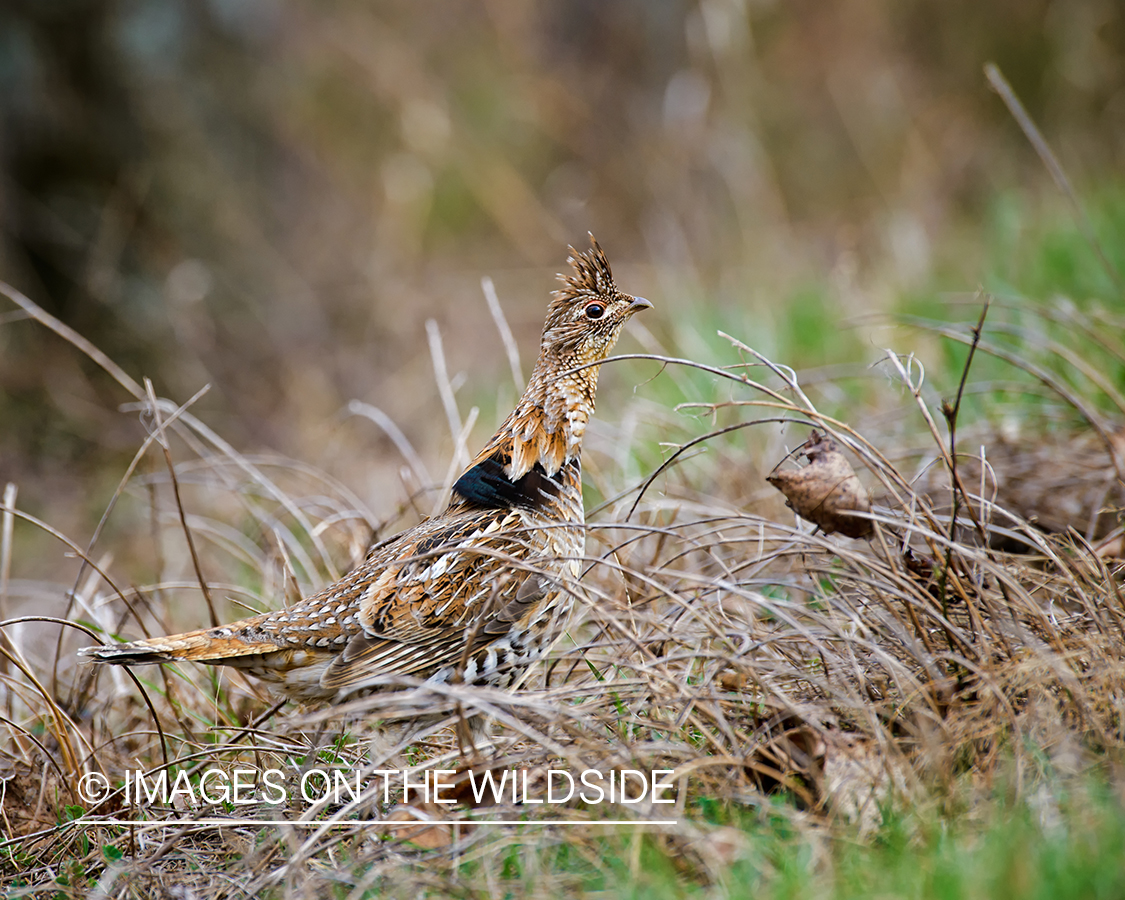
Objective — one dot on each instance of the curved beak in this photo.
(638, 304)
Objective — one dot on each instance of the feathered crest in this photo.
(591, 275)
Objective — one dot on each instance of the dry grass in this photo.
(717, 637)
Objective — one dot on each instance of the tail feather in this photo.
(209, 646)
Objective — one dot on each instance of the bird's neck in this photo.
(548, 423)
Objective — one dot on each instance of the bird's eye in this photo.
(595, 310)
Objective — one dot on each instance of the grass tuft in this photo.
(927, 712)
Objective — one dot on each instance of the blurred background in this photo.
(272, 198)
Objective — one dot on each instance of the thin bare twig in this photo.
(445, 390)
(950, 412)
(162, 439)
(1000, 84)
(6, 529)
(510, 346)
(398, 438)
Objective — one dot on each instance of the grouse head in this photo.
(586, 315)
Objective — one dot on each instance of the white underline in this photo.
(396, 823)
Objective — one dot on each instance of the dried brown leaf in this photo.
(827, 490)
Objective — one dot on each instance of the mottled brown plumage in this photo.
(475, 592)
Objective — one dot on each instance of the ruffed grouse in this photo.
(475, 592)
